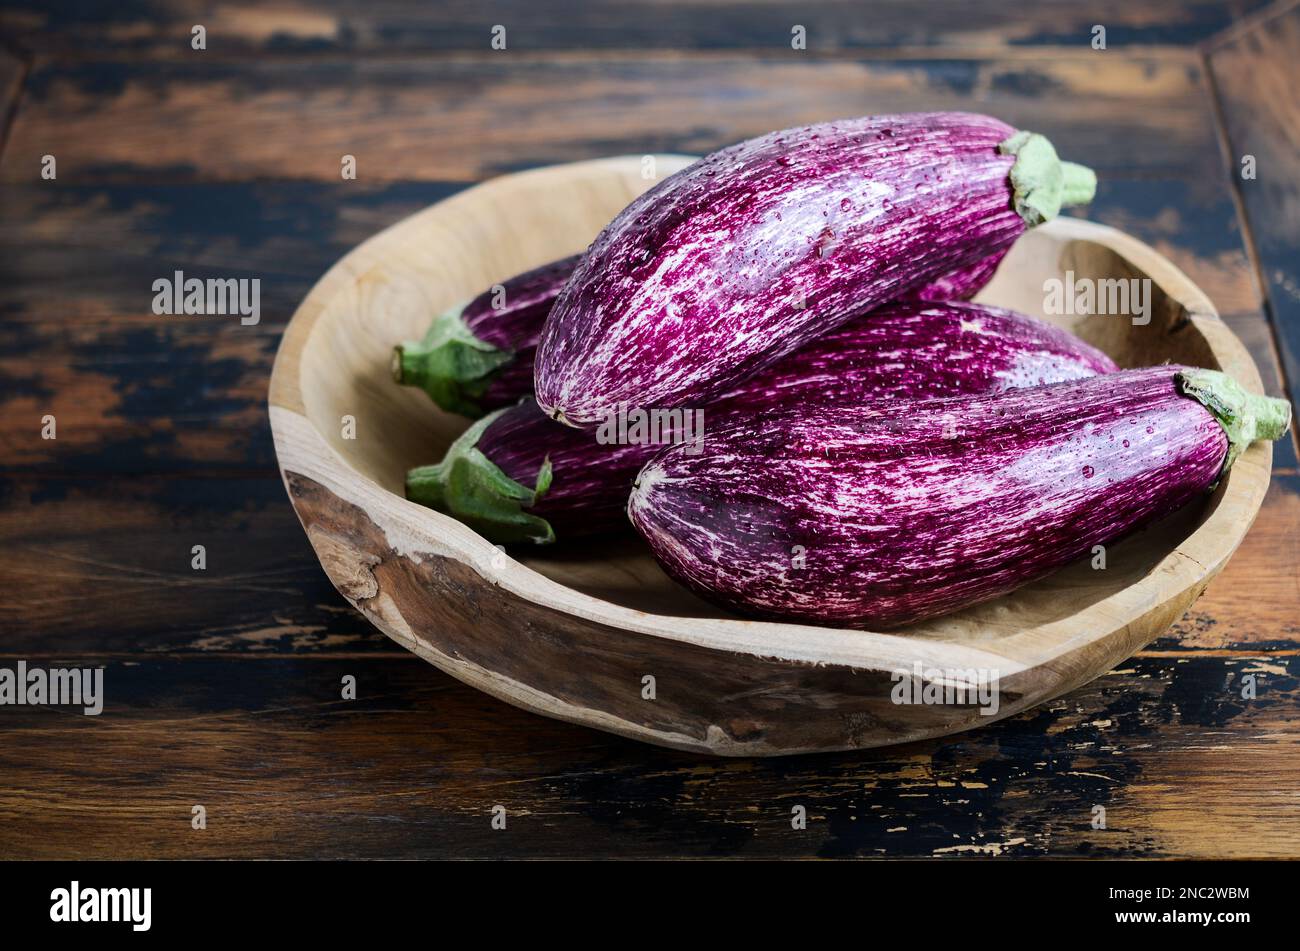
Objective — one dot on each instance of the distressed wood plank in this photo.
(107, 566)
(1253, 601)
(1256, 76)
(117, 239)
(130, 395)
(413, 767)
(464, 120)
(12, 71)
(285, 28)
(103, 565)
(133, 391)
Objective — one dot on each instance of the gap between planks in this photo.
(14, 95)
(1239, 205)
(1247, 24)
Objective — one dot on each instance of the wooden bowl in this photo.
(573, 632)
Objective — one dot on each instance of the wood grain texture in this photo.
(1183, 765)
(106, 567)
(214, 121)
(1256, 72)
(284, 28)
(134, 391)
(12, 72)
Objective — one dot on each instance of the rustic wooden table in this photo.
(223, 686)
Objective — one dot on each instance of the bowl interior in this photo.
(455, 249)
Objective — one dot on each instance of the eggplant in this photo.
(880, 515)
(739, 259)
(962, 284)
(519, 476)
(499, 478)
(479, 356)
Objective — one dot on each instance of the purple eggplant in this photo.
(882, 515)
(960, 285)
(744, 256)
(519, 476)
(479, 356)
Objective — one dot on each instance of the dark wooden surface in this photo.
(223, 687)
(1255, 73)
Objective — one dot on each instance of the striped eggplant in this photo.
(881, 515)
(479, 356)
(519, 476)
(742, 257)
(962, 284)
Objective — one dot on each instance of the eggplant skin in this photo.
(508, 335)
(526, 300)
(920, 350)
(752, 251)
(906, 350)
(880, 516)
(516, 327)
(962, 284)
